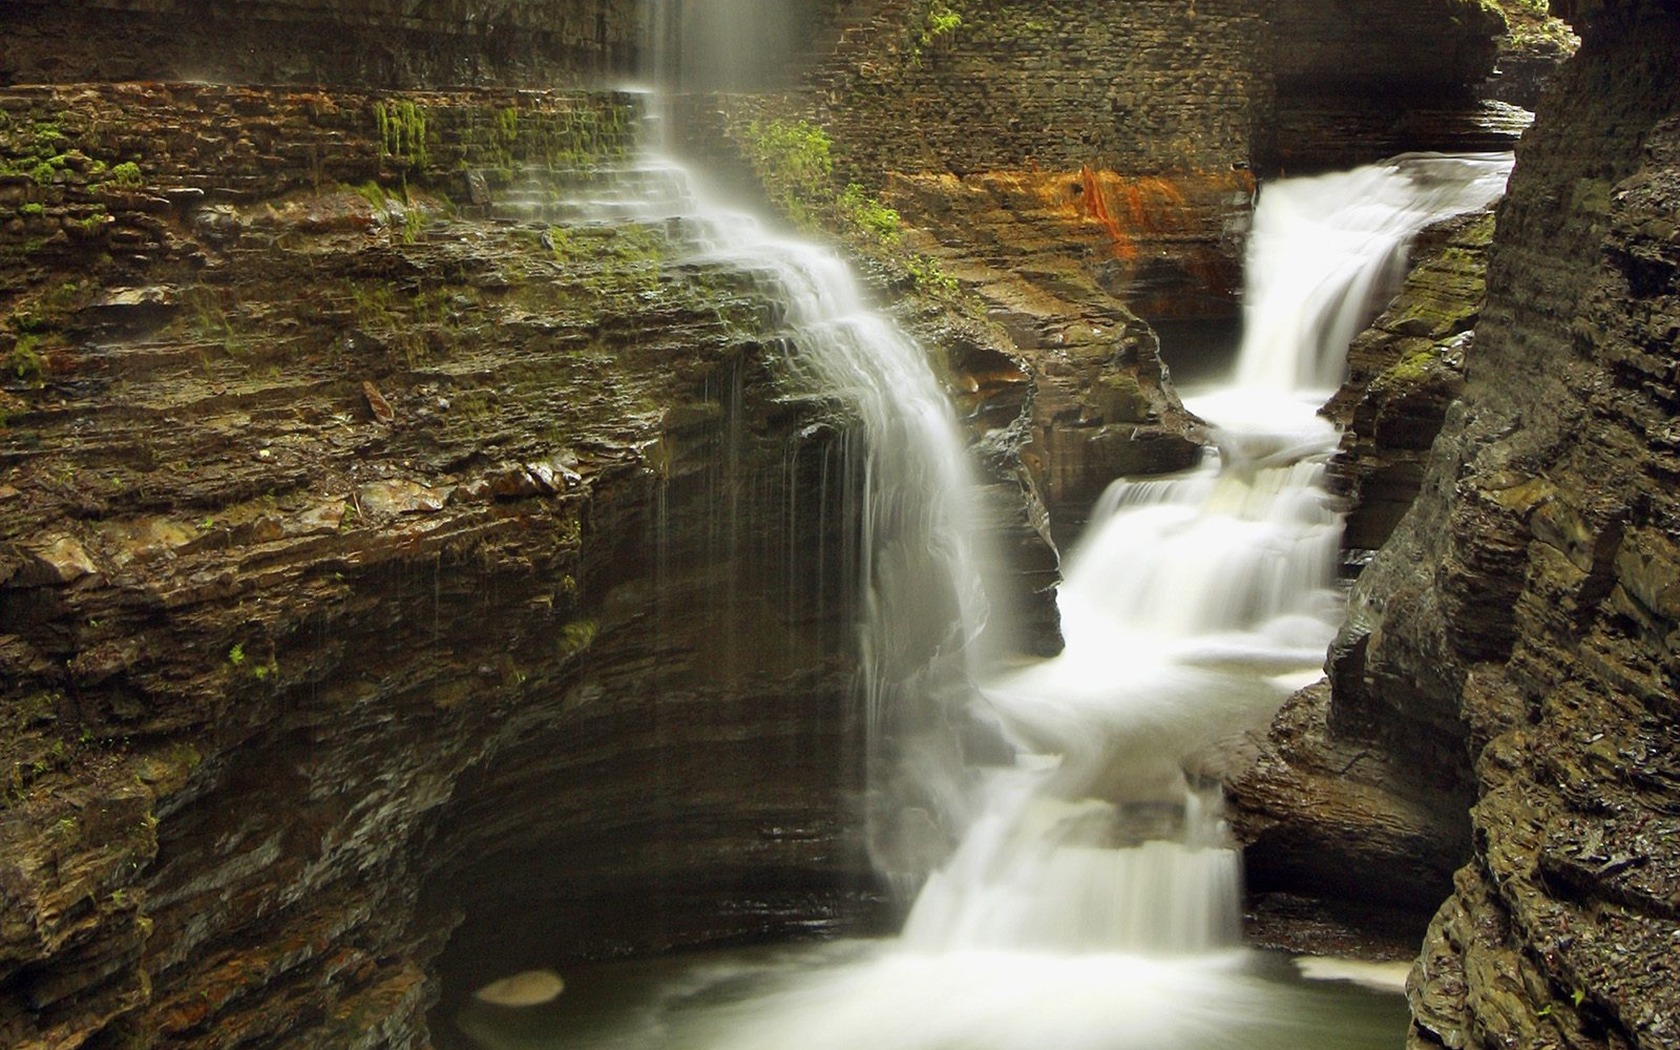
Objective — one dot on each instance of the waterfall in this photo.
(1092, 901)
(922, 604)
(1326, 251)
(723, 45)
(1192, 607)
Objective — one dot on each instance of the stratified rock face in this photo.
(1344, 850)
(1142, 88)
(373, 559)
(1358, 81)
(357, 43)
(1517, 631)
(1404, 372)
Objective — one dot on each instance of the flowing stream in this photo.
(1093, 899)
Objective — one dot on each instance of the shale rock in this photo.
(363, 552)
(1515, 632)
(345, 43)
(1403, 374)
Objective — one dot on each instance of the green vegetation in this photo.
(36, 149)
(605, 261)
(209, 320)
(411, 322)
(578, 635)
(940, 23)
(1532, 26)
(400, 206)
(402, 133)
(794, 161)
(869, 214)
(40, 150)
(577, 137)
(25, 361)
(127, 174)
(1414, 368)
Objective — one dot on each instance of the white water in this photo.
(1093, 901)
(908, 488)
(1324, 253)
(1192, 607)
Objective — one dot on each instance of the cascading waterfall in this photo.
(907, 485)
(1192, 607)
(922, 601)
(1092, 903)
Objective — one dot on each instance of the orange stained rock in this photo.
(1091, 202)
(1128, 209)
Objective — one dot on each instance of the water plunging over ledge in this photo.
(1093, 901)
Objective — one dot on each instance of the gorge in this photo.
(404, 575)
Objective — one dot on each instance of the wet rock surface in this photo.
(1344, 848)
(345, 43)
(1404, 372)
(348, 528)
(1514, 631)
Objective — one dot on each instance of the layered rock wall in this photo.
(346, 43)
(1354, 82)
(382, 550)
(1515, 634)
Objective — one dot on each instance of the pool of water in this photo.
(879, 995)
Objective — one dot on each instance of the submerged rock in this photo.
(530, 988)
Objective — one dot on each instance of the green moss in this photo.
(371, 192)
(35, 149)
(1413, 369)
(507, 126)
(578, 635)
(126, 174)
(403, 133)
(25, 361)
(1531, 26)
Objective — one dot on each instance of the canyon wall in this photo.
(1509, 649)
(382, 552)
(344, 43)
(1516, 633)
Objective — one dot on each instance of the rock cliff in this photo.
(382, 548)
(376, 534)
(1514, 636)
(345, 43)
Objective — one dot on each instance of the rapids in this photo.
(1093, 900)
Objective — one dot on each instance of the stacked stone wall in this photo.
(360, 43)
(1146, 87)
